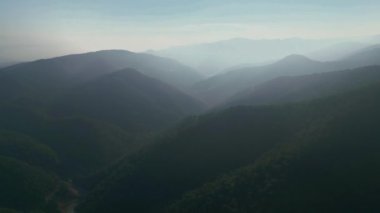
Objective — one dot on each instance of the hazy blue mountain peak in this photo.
(296, 58)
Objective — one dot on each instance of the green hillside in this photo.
(307, 152)
(307, 87)
(331, 166)
(24, 187)
(128, 99)
(25, 148)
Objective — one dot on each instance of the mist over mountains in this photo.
(119, 131)
(201, 106)
(292, 89)
(216, 57)
(217, 89)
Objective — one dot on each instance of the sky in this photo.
(41, 28)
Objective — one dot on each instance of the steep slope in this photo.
(331, 166)
(218, 89)
(199, 150)
(71, 147)
(306, 87)
(27, 149)
(76, 105)
(43, 79)
(129, 99)
(207, 147)
(164, 69)
(24, 187)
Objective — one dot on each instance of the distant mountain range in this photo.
(316, 155)
(211, 58)
(337, 51)
(215, 57)
(82, 67)
(289, 89)
(71, 116)
(116, 131)
(217, 89)
(6, 64)
(92, 84)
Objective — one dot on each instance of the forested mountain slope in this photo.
(307, 87)
(320, 136)
(129, 99)
(330, 166)
(217, 89)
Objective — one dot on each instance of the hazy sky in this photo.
(48, 27)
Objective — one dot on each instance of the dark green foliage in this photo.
(80, 120)
(23, 187)
(86, 145)
(6, 210)
(20, 118)
(82, 145)
(312, 157)
(201, 149)
(331, 166)
(76, 116)
(92, 85)
(25, 148)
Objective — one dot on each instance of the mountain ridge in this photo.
(217, 89)
(289, 89)
(130, 99)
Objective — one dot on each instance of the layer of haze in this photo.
(31, 29)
